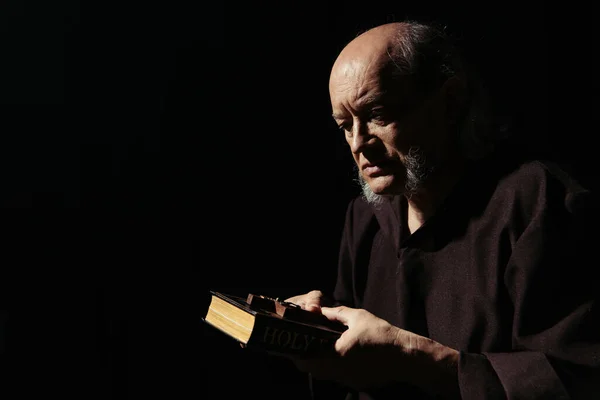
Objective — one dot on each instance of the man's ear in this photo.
(454, 91)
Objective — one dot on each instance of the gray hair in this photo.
(418, 170)
(429, 55)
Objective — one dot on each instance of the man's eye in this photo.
(344, 127)
(378, 115)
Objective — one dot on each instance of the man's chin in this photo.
(376, 189)
(385, 185)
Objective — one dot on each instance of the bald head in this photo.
(369, 52)
(378, 40)
(373, 44)
(401, 49)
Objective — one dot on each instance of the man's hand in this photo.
(311, 301)
(373, 353)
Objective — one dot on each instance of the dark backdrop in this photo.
(153, 151)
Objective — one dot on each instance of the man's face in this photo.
(396, 134)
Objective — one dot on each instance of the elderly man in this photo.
(461, 267)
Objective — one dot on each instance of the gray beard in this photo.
(418, 169)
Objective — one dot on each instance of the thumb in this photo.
(340, 314)
(313, 300)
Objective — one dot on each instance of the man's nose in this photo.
(361, 137)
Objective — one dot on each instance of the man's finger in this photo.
(340, 314)
(299, 300)
(313, 300)
(310, 301)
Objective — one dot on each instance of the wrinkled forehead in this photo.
(378, 74)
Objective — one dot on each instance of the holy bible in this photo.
(260, 322)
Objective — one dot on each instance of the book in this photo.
(263, 323)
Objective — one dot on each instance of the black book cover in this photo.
(279, 334)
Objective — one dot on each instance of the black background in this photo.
(152, 151)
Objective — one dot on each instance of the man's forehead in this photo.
(380, 73)
(348, 74)
(353, 69)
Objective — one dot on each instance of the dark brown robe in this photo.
(502, 272)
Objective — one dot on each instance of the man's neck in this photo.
(424, 203)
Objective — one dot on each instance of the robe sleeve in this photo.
(552, 280)
(343, 290)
